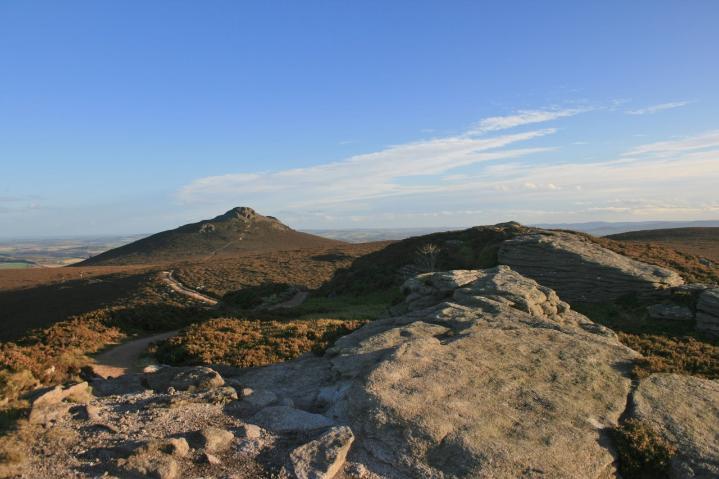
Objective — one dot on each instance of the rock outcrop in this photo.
(482, 373)
(685, 410)
(708, 311)
(184, 379)
(324, 457)
(673, 312)
(581, 270)
(52, 404)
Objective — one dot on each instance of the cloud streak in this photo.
(482, 179)
(521, 118)
(702, 141)
(657, 108)
(394, 171)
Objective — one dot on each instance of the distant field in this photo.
(19, 265)
(54, 252)
(702, 242)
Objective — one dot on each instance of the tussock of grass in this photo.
(643, 452)
(248, 342)
(684, 355)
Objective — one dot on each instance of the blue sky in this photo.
(136, 116)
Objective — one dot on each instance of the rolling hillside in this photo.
(240, 230)
(702, 242)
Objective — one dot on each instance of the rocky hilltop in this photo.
(478, 373)
(239, 230)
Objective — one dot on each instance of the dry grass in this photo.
(30, 278)
(248, 342)
(703, 241)
(692, 269)
(667, 346)
(307, 269)
(643, 452)
(57, 353)
(664, 354)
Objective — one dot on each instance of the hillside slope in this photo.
(702, 242)
(239, 230)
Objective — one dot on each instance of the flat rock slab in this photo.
(685, 410)
(501, 379)
(282, 419)
(581, 270)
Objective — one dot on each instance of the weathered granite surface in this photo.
(581, 270)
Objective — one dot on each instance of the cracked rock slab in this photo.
(581, 270)
(685, 410)
(282, 419)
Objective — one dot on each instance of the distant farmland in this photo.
(17, 265)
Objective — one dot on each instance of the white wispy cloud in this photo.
(522, 117)
(702, 141)
(420, 181)
(657, 108)
(368, 176)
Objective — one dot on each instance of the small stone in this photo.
(192, 379)
(151, 464)
(250, 431)
(221, 395)
(151, 368)
(245, 392)
(324, 457)
(214, 439)
(177, 447)
(210, 459)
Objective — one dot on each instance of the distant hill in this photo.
(604, 228)
(668, 234)
(240, 230)
(366, 235)
(702, 242)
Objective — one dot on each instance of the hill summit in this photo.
(239, 230)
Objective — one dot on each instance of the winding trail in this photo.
(125, 358)
(178, 287)
(295, 300)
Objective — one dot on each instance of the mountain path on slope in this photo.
(180, 288)
(125, 357)
(294, 301)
